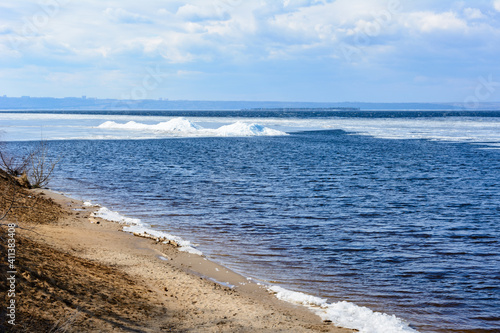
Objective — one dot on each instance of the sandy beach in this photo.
(78, 273)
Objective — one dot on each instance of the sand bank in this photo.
(78, 273)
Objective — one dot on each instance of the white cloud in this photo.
(208, 11)
(473, 13)
(228, 36)
(429, 21)
(496, 5)
(65, 78)
(120, 15)
(330, 27)
(5, 30)
(188, 73)
(6, 52)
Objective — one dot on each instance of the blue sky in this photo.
(280, 50)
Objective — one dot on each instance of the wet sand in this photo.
(78, 273)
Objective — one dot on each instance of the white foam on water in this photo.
(346, 314)
(112, 216)
(145, 231)
(139, 228)
(343, 314)
(297, 298)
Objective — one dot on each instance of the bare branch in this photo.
(14, 165)
(41, 168)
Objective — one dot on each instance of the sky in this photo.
(252, 50)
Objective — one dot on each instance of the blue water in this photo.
(405, 227)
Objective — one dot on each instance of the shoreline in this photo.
(205, 296)
(340, 314)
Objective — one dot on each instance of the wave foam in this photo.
(143, 231)
(345, 314)
(184, 127)
(138, 228)
(109, 215)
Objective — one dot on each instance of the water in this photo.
(405, 227)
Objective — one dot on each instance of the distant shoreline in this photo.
(303, 109)
(87, 103)
(270, 113)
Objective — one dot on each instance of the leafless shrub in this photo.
(14, 164)
(32, 168)
(41, 166)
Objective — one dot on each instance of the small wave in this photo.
(345, 314)
(112, 216)
(184, 127)
(137, 227)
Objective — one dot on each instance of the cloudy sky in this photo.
(279, 50)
